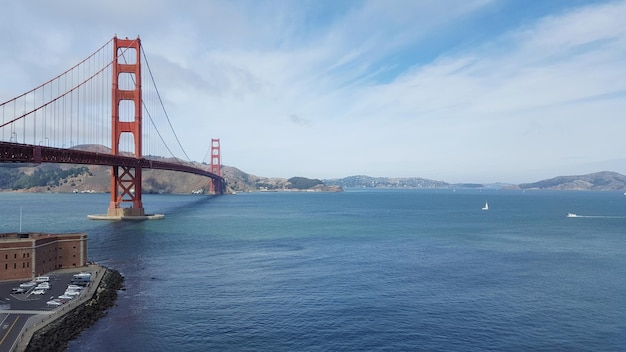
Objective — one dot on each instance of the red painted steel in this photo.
(126, 170)
(126, 180)
(216, 167)
(35, 154)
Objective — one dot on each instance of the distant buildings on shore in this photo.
(28, 255)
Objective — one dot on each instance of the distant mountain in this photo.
(68, 178)
(361, 181)
(599, 181)
(239, 181)
(61, 178)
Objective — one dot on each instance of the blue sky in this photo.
(453, 90)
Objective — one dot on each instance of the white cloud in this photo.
(387, 89)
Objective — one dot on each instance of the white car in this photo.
(42, 287)
(54, 303)
(66, 297)
(28, 285)
(39, 292)
(41, 279)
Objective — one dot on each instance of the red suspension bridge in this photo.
(101, 101)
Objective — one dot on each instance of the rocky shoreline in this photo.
(56, 335)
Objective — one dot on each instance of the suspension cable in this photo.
(68, 70)
(164, 111)
(60, 96)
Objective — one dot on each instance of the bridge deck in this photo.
(28, 153)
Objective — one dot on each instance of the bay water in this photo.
(361, 270)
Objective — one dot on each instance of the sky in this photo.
(453, 90)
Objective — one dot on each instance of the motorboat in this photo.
(572, 215)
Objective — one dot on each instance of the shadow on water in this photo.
(181, 207)
(121, 239)
(168, 205)
(171, 206)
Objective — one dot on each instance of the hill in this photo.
(239, 181)
(67, 178)
(599, 181)
(361, 181)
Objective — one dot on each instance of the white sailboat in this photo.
(486, 207)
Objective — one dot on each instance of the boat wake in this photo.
(571, 215)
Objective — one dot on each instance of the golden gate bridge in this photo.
(104, 100)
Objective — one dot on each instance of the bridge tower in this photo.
(216, 167)
(126, 180)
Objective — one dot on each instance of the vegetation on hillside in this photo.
(362, 181)
(69, 178)
(8, 175)
(12, 178)
(303, 183)
(599, 181)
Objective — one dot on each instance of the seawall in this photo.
(54, 335)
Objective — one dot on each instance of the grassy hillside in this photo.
(67, 178)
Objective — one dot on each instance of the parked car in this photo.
(82, 275)
(55, 302)
(39, 292)
(41, 279)
(81, 279)
(28, 285)
(42, 286)
(18, 290)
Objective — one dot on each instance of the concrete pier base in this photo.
(126, 214)
(115, 217)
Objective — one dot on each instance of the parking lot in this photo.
(29, 301)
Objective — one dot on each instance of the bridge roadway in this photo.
(28, 153)
(23, 314)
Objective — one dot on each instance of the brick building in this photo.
(27, 255)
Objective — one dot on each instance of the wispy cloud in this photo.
(299, 120)
(459, 91)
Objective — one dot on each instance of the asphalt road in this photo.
(11, 326)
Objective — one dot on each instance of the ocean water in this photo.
(376, 270)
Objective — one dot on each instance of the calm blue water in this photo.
(355, 271)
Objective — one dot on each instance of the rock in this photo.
(56, 335)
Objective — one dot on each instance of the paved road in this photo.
(11, 326)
